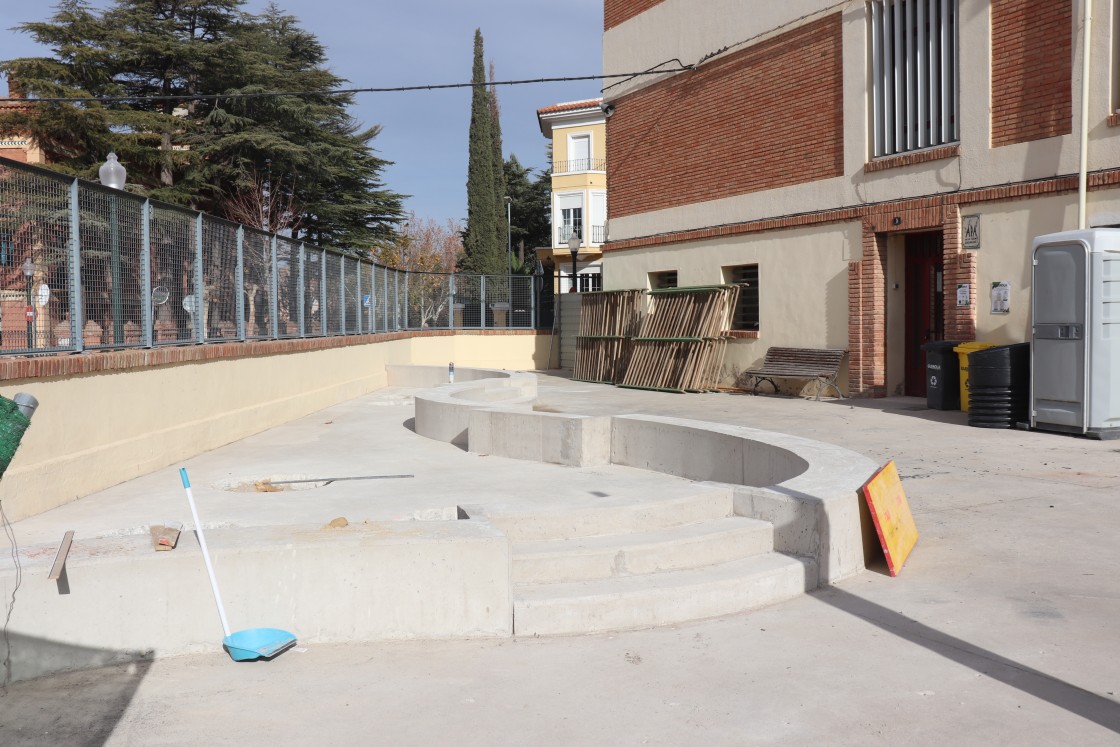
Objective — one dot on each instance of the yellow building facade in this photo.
(578, 132)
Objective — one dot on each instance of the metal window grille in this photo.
(746, 309)
(915, 74)
(661, 280)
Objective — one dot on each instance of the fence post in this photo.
(274, 290)
(342, 294)
(77, 323)
(358, 285)
(199, 302)
(300, 294)
(323, 292)
(482, 302)
(532, 280)
(407, 281)
(240, 290)
(373, 299)
(396, 300)
(451, 303)
(147, 311)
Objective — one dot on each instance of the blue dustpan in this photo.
(258, 643)
(244, 645)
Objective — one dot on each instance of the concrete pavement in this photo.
(1001, 628)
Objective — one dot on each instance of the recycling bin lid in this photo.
(972, 346)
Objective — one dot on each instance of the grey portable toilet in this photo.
(1075, 343)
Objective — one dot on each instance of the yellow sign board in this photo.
(891, 513)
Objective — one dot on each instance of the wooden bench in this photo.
(799, 363)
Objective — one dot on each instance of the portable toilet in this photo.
(1075, 335)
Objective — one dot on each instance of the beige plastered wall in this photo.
(803, 283)
(93, 431)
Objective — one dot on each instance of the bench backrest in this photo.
(810, 358)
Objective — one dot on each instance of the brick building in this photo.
(16, 146)
(870, 168)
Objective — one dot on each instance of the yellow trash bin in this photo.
(962, 351)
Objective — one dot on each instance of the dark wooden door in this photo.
(924, 305)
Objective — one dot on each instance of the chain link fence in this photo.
(86, 267)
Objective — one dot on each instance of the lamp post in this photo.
(573, 247)
(113, 175)
(28, 271)
(509, 234)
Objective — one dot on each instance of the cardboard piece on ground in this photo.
(891, 513)
(165, 536)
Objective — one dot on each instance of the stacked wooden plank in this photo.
(607, 322)
(682, 341)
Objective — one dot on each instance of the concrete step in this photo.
(629, 602)
(591, 521)
(677, 548)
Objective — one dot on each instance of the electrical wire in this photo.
(330, 92)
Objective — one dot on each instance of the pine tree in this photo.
(205, 153)
(480, 240)
(532, 201)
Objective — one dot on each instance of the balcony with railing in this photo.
(579, 164)
(565, 232)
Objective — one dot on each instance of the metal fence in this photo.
(85, 267)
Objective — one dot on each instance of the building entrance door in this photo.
(924, 305)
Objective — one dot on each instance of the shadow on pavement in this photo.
(1076, 700)
(72, 708)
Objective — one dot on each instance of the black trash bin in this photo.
(943, 375)
(999, 386)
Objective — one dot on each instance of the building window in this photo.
(589, 282)
(662, 280)
(579, 153)
(571, 224)
(746, 311)
(914, 74)
(7, 250)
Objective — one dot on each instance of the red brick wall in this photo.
(867, 318)
(768, 116)
(1032, 68)
(617, 11)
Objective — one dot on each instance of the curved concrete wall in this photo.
(809, 490)
(444, 413)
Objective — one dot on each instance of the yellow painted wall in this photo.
(97, 430)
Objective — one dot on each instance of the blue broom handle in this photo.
(205, 551)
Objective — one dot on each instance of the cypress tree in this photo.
(499, 168)
(480, 239)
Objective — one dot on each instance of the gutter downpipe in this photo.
(1083, 173)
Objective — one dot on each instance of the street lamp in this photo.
(573, 247)
(28, 271)
(509, 234)
(113, 175)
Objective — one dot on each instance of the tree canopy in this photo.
(210, 154)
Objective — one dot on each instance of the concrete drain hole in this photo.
(271, 484)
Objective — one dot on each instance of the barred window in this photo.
(915, 74)
(746, 311)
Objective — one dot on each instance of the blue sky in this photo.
(422, 42)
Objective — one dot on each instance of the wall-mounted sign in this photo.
(964, 294)
(971, 228)
(1001, 297)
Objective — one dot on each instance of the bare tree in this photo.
(430, 251)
